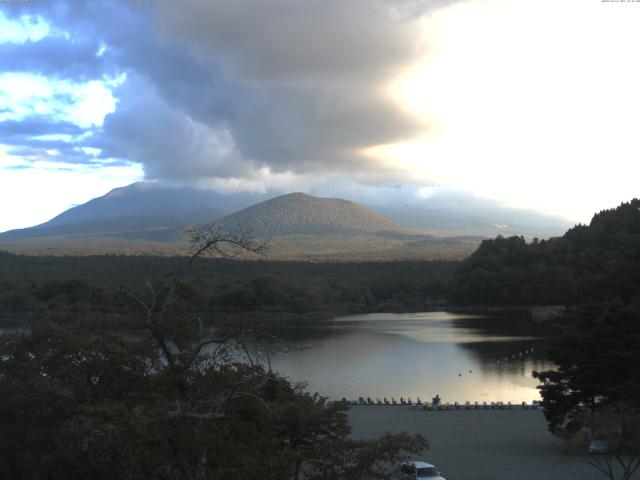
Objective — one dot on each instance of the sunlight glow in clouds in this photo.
(533, 103)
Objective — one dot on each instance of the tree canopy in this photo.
(77, 404)
(597, 354)
(597, 262)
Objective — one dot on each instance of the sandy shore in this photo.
(479, 444)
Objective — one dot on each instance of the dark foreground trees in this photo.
(172, 404)
(598, 262)
(617, 431)
(594, 393)
(597, 355)
(87, 405)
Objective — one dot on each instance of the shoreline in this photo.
(122, 320)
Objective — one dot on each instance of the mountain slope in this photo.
(149, 218)
(130, 227)
(138, 211)
(147, 205)
(460, 215)
(301, 214)
(144, 199)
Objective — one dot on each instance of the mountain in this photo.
(154, 228)
(451, 222)
(301, 214)
(141, 211)
(458, 213)
(148, 217)
(145, 206)
(146, 199)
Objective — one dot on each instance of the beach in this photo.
(478, 444)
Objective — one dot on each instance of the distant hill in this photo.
(301, 214)
(464, 215)
(297, 226)
(155, 228)
(148, 205)
(147, 217)
(595, 262)
(146, 199)
(142, 210)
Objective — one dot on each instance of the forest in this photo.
(595, 262)
(89, 287)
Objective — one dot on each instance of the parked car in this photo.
(598, 447)
(416, 470)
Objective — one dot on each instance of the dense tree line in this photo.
(88, 287)
(598, 262)
(597, 354)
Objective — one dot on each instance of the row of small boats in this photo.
(438, 405)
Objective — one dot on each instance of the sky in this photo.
(527, 103)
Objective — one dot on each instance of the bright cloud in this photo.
(533, 103)
(23, 186)
(84, 104)
(23, 29)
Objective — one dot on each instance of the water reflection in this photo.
(461, 357)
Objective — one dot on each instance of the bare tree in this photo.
(616, 431)
(180, 338)
(209, 241)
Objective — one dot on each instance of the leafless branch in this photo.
(211, 240)
(224, 339)
(205, 240)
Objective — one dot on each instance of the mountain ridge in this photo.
(151, 218)
(150, 200)
(299, 213)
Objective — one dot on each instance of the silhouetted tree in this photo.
(618, 431)
(597, 355)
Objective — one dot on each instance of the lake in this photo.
(460, 357)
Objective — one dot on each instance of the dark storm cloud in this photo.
(315, 71)
(222, 88)
(169, 143)
(292, 42)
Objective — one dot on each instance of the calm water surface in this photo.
(460, 357)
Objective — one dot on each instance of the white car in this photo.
(419, 470)
(598, 447)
